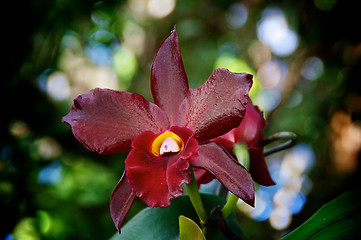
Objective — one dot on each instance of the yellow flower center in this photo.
(167, 142)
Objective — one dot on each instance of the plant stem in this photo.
(242, 155)
(196, 200)
(230, 205)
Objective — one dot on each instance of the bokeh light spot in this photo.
(290, 199)
(125, 65)
(58, 86)
(312, 68)
(160, 8)
(99, 54)
(299, 160)
(273, 30)
(272, 73)
(280, 218)
(44, 220)
(100, 17)
(71, 41)
(237, 15)
(48, 147)
(50, 174)
(8, 237)
(19, 129)
(26, 229)
(268, 99)
(102, 36)
(259, 53)
(134, 38)
(295, 99)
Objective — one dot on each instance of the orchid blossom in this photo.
(167, 137)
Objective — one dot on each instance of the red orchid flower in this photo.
(168, 136)
(251, 133)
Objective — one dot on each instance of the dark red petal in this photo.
(169, 83)
(202, 176)
(157, 179)
(217, 106)
(227, 140)
(121, 201)
(258, 167)
(229, 172)
(106, 121)
(251, 129)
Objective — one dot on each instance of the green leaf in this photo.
(163, 223)
(338, 219)
(189, 230)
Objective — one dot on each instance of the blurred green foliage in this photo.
(51, 187)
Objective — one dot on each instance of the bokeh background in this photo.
(305, 58)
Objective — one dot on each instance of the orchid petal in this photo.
(202, 176)
(121, 201)
(157, 179)
(218, 105)
(229, 172)
(227, 140)
(169, 83)
(251, 129)
(251, 132)
(106, 121)
(258, 167)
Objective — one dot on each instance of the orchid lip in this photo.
(167, 142)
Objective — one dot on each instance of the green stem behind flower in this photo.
(230, 205)
(242, 155)
(196, 200)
